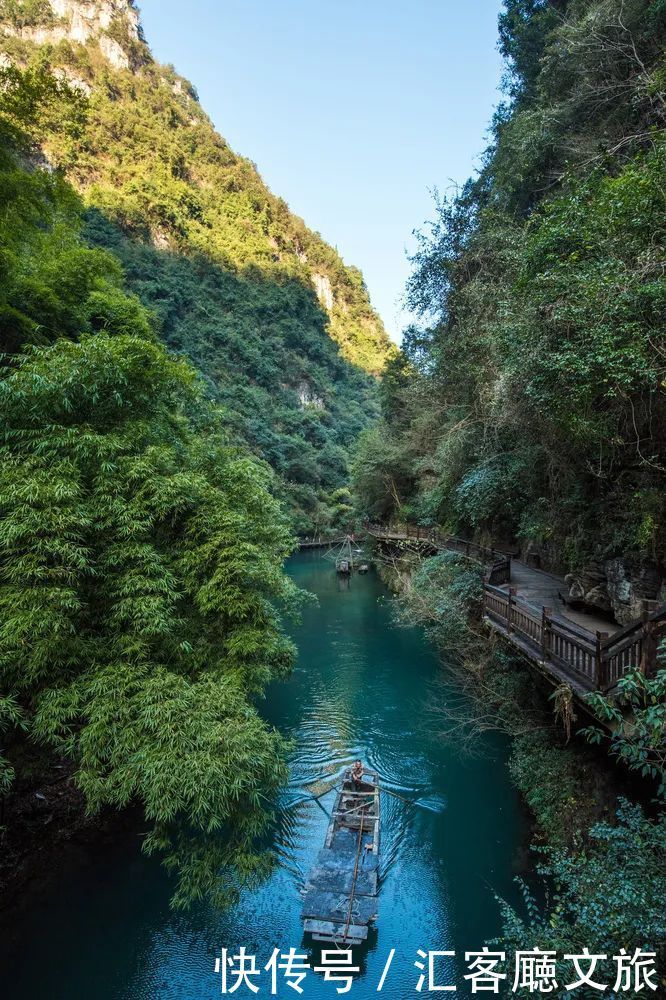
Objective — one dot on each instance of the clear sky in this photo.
(353, 110)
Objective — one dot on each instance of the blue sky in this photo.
(352, 111)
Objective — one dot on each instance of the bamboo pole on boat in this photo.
(354, 880)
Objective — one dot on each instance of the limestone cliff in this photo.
(113, 25)
(152, 160)
(625, 588)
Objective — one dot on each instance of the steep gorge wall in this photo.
(279, 326)
(100, 47)
(78, 21)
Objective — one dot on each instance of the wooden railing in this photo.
(317, 542)
(498, 563)
(594, 660)
(545, 636)
(591, 661)
(635, 647)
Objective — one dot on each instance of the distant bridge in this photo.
(580, 649)
(317, 542)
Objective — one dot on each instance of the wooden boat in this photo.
(343, 556)
(340, 896)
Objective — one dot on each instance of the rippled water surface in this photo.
(102, 927)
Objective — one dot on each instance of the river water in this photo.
(101, 928)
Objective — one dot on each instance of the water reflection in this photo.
(450, 832)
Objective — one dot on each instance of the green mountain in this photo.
(168, 331)
(280, 328)
(141, 551)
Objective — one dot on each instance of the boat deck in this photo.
(340, 898)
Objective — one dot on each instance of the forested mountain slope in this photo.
(142, 531)
(135, 630)
(530, 404)
(281, 329)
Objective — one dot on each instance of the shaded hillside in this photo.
(136, 631)
(275, 321)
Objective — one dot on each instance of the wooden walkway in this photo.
(319, 542)
(545, 590)
(524, 605)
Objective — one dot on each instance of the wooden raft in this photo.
(340, 896)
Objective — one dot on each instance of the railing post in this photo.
(601, 662)
(545, 633)
(509, 612)
(649, 648)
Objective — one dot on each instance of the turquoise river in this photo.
(100, 926)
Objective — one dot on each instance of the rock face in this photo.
(307, 397)
(630, 584)
(84, 20)
(324, 291)
(114, 52)
(619, 587)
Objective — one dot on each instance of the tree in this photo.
(141, 563)
(636, 718)
(141, 555)
(607, 896)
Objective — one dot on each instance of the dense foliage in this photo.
(636, 717)
(607, 896)
(531, 403)
(602, 861)
(141, 550)
(232, 274)
(261, 344)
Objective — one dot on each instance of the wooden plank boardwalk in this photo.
(585, 651)
(543, 590)
(320, 543)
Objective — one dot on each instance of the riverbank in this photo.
(568, 785)
(453, 842)
(42, 817)
(599, 835)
